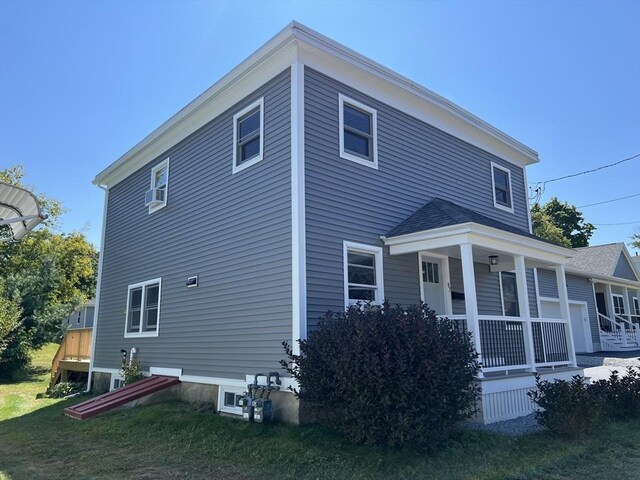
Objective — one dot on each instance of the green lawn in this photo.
(175, 440)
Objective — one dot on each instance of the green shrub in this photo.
(387, 375)
(64, 389)
(566, 408)
(620, 395)
(132, 372)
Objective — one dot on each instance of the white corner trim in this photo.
(96, 310)
(373, 163)
(162, 164)
(169, 372)
(238, 168)
(364, 248)
(298, 216)
(141, 334)
(495, 166)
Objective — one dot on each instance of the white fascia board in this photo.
(621, 282)
(299, 43)
(268, 61)
(375, 80)
(480, 235)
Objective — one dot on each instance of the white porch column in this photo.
(525, 314)
(628, 310)
(563, 297)
(470, 299)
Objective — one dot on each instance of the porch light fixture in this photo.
(494, 259)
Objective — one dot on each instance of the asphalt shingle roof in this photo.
(443, 213)
(598, 260)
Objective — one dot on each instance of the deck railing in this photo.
(549, 341)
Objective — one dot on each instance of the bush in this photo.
(620, 396)
(132, 372)
(387, 375)
(566, 408)
(64, 389)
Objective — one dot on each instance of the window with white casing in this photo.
(618, 304)
(362, 274)
(509, 294)
(358, 132)
(228, 399)
(156, 197)
(501, 181)
(143, 309)
(248, 136)
(636, 307)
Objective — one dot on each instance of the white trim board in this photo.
(299, 43)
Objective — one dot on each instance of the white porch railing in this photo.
(630, 331)
(503, 342)
(619, 329)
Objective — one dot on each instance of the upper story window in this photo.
(362, 274)
(143, 309)
(358, 132)
(501, 179)
(156, 197)
(248, 136)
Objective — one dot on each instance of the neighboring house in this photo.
(636, 261)
(82, 317)
(604, 288)
(72, 360)
(307, 179)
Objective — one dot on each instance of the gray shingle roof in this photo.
(598, 260)
(443, 213)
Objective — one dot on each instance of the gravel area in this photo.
(516, 427)
(609, 361)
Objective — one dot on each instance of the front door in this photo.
(433, 284)
(601, 303)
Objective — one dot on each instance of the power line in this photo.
(609, 201)
(623, 223)
(588, 171)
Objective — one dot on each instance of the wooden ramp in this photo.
(122, 396)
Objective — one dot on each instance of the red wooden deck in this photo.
(117, 398)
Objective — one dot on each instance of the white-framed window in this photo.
(636, 306)
(358, 132)
(501, 182)
(430, 272)
(363, 279)
(618, 304)
(248, 136)
(117, 382)
(228, 398)
(156, 197)
(143, 309)
(509, 294)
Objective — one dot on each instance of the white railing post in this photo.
(470, 300)
(623, 332)
(525, 314)
(563, 297)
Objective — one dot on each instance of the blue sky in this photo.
(82, 82)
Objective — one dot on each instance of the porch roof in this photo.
(440, 224)
(602, 261)
(19, 210)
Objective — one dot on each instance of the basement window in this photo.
(143, 309)
(228, 399)
(358, 132)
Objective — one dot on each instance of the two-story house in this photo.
(307, 179)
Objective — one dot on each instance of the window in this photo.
(248, 133)
(156, 197)
(509, 293)
(358, 132)
(143, 309)
(116, 382)
(228, 399)
(618, 304)
(430, 273)
(501, 178)
(78, 319)
(636, 307)
(362, 274)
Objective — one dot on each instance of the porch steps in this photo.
(119, 397)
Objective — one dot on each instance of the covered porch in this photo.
(481, 275)
(618, 314)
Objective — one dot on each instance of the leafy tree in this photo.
(561, 223)
(44, 277)
(635, 239)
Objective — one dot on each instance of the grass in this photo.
(175, 440)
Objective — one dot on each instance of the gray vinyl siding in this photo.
(578, 289)
(233, 230)
(349, 201)
(624, 270)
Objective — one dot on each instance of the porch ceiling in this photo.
(19, 210)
